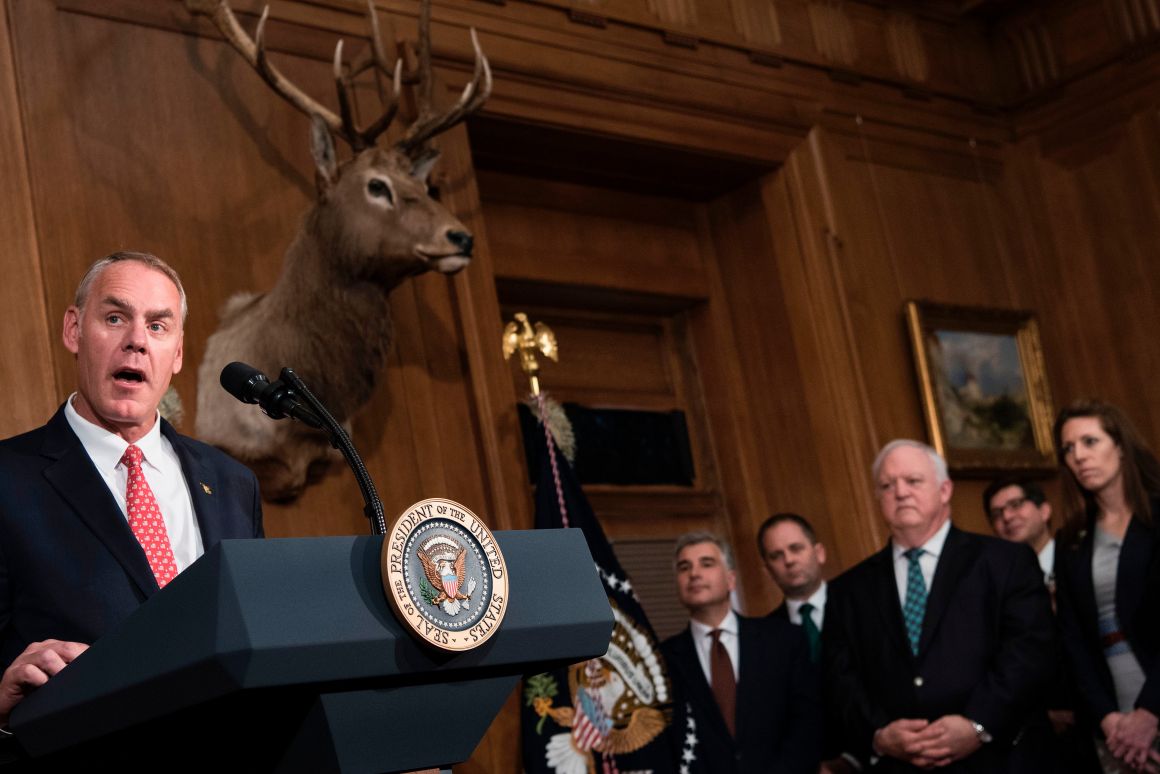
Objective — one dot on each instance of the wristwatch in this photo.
(981, 732)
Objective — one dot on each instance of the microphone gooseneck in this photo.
(280, 399)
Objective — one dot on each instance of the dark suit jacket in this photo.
(781, 611)
(1074, 749)
(830, 744)
(70, 568)
(779, 717)
(1137, 607)
(986, 652)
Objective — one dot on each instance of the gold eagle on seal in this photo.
(445, 565)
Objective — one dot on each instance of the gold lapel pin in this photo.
(206, 487)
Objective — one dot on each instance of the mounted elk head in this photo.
(373, 225)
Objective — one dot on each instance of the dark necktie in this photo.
(723, 682)
(915, 607)
(813, 634)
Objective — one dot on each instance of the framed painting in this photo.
(984, 387)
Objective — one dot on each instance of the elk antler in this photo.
(475, 93)
(378, 57)
(253, 50)
(427, 124)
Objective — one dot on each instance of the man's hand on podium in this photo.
(32, 669)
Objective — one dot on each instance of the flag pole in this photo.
(588, 730)
(522, 337)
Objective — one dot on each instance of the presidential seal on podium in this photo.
(444, 575)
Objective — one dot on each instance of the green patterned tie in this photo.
(813, 635)
(915, 607)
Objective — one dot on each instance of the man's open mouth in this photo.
(128, 375)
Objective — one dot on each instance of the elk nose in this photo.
(462, 240)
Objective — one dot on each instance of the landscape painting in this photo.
(983, 386)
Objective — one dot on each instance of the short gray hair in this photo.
(148, 259)
(694, 538)
(940, 465)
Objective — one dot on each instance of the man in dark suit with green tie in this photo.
(794, 559)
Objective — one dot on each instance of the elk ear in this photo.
(421, 164)
(322, 148)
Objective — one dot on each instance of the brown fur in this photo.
(328, 315)
(374, 225)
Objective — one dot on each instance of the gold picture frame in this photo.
(984, 387)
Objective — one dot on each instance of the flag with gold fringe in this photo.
(609, 714)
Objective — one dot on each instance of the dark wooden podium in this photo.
(283, 655)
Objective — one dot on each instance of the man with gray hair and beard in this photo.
(745, 693)
(938, 648)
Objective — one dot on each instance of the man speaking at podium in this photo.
(106, 503)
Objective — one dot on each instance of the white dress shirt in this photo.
(817, 599)
(162, 470)
(1047, 559)
(931, 549)
(730, 637)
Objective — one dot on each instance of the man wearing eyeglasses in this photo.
(1018, 511)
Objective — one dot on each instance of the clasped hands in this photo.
(1130, 737)
(927, 744)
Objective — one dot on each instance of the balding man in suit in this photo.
(937, 649)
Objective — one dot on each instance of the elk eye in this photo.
(380, 189)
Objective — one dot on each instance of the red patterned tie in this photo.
(145, 519)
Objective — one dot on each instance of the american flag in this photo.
(590, 726)
(560, 502)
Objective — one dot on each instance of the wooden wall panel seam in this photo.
(834, 254)
(794, 57)
(798, 97)
(29, 244)
(739, 430)
(854, 449)
(479, 313)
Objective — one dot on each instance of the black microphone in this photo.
(249, 385)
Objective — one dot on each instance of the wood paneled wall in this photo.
(140, 136)
(1086, 220)
(805, 167)
(31, 387)
(855, 223)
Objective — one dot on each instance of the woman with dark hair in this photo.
(1108, 576)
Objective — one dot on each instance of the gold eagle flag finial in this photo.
(521, 336)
